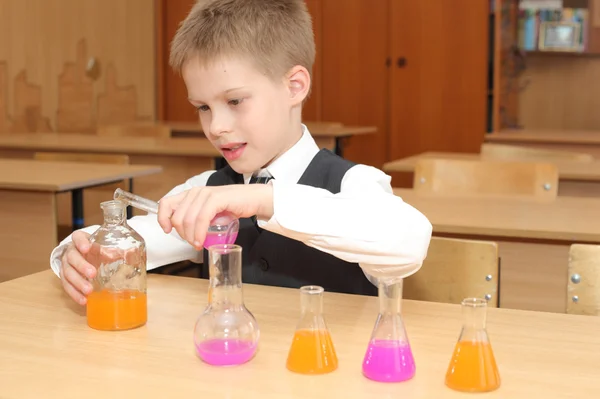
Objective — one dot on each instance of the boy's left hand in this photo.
(191, 211)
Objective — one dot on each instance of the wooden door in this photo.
(172, 94)
(439, 76)
(355, 51)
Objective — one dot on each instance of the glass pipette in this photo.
(222, 230)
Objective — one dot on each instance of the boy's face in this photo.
(246, 115)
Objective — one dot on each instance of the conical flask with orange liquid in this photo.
(312, 350)
(389, 356)
(473, 367)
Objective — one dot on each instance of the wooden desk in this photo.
(533, 236)
(28, 210)
(586, 141)
(326, 134)
(47, 350)
(179, 158)
(575, 178)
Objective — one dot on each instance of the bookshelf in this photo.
(517, 61)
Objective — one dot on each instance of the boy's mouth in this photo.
(232, 151)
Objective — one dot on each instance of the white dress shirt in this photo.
(364, 223)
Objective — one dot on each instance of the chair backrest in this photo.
(514, 152)
(583, 284)
(458, 176)
(118, 159)
(141, 129)
(456, 269)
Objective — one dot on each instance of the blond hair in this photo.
(273, 34)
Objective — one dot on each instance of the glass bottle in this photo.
(226, 333)
(473, 367)
(389, 356)
(223, 228)
(118, 300)
(312, 350)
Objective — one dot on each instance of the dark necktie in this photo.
(259, 180)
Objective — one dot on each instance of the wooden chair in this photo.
(141, 129)
(454, 176)
(583, 284)
(456, 269)
(513, 152)
(64, 203)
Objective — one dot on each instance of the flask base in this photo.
(226, 352)
(388, 361)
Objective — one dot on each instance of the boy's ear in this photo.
(298, 83)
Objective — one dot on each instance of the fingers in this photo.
(75, 294)
(166, 207)
(81, 240)
(76, 261)
(183, 218)
(73, 269)
(204, 217)
(192, 220)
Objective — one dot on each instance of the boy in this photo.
(319, 219)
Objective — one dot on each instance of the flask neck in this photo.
(225, 270)
(474, 313)
(390, 298)
(311, 300)
(114, 213)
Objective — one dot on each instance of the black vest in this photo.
(272, 259)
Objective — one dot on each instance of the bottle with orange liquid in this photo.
(473, 366)
(118, 301)
(312, 350)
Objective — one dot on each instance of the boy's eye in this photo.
(235, 101)
(203, 108)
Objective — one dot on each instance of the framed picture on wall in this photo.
(559, 36)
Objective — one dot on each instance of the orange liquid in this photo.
(473, 368)
(116, 310)
(312, 352)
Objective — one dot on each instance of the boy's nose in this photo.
(219, 126)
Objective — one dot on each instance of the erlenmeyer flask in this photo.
(312, 350)
(389, 356)
(473, 366)
(226, 333)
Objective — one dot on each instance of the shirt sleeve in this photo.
(364, 223)
(161, 249)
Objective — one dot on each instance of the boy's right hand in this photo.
(75, 270)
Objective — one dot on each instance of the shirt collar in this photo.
(290, 166)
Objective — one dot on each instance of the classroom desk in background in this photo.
(575, 178)
(53, 354)
(326, 134)
(585, 141)
(533, 238)
(28, 211)
(179, 159)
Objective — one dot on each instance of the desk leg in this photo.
(77, 208)
(338, 147)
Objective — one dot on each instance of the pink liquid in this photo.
(388, 361)
(226, 352)
(219, 238)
